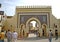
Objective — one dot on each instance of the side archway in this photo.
(22, 30)
(44, 30)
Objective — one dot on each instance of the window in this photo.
(44, 18)
(22, 18)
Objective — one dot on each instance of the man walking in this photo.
(9, 36)
(50, 36)
(14, 36)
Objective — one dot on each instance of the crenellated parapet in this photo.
(33, 6)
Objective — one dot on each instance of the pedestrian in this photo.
(56, 35)
(50, 36)
(14, 36)
(5, 34)
(2, 36)
(9, 36)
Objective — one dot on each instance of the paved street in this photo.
(34, 38)
(41, 40)
(37, 40)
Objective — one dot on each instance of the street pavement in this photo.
(34, 39)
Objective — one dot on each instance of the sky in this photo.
(9, 6)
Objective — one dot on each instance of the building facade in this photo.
(2, 20)
(42, 15)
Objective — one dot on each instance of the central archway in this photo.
(28, 25)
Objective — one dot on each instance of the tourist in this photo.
(14, 36)
(9, 36)
(50, 36)
(2, 36)
(56, 35)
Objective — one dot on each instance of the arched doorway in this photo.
(33, 25)
(44, 33)
(56, 32)
(22, 32)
